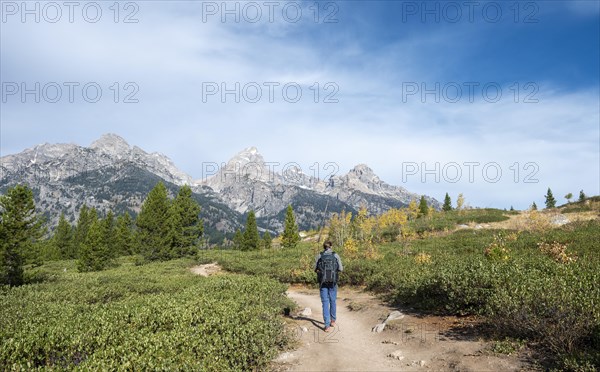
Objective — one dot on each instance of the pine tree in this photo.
(238, 239)
(251, 239)
(534, 207)
(153, 225)
(447, 203)
(290, 236)
(423, 208)
(267, 240)
(109, 231)
(511, 208)
(63, 238)
(550, 201)
(81, 229)
(185, 223)
(124, 241)
(20, 228)
(582, 196)
(95, 254)
(85, 256)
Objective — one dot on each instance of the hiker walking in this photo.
(328, 264)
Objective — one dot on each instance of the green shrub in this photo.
(156, 316)
(528, 295)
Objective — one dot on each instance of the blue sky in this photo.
(542, 56)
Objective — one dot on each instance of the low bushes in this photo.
(156, 316)
(527, 284)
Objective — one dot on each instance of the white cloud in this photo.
(170, 53)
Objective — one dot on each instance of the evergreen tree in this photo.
(251, 239)
(582, 196)
(95, 254)
(423, 208)
(267, 240)
(290, 236)
(447, 203)
(45, 250)
(109, 231)
(238, 239)
(153, 225)
(534, 207)
(20, 228)
(550, 201)
(124, 241)
(63, 238)
(511, 208)
(81, 229)
(185, 224)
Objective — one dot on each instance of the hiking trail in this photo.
(412, 343)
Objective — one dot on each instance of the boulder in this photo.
(378, 328)
(394, 315)
(559, 220)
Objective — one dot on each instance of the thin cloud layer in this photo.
(370, 61)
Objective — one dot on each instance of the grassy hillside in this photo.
(157, 316)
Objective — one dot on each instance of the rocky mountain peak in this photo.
(362, 169)
(363, 173)
(246, 156)
(111, 143)
(246, 164)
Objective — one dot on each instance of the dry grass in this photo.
(538, 220)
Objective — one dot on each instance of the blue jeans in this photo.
(328, 296)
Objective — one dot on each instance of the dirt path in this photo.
(412, 343)
(350, 347)
(206, 269)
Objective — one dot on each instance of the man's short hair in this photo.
(327, 244)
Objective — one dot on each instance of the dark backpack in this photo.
(328, 269)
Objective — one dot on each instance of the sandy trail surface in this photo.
(412, 343)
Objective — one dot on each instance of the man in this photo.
(327, 263)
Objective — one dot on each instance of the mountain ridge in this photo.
(110, 173)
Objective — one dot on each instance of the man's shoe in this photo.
(327, 329)
(333, 323)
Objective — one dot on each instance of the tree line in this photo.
(165, 228)
(550, 201)
(250, 240)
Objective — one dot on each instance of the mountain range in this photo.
(111, 174)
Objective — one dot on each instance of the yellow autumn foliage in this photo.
(423, 258)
